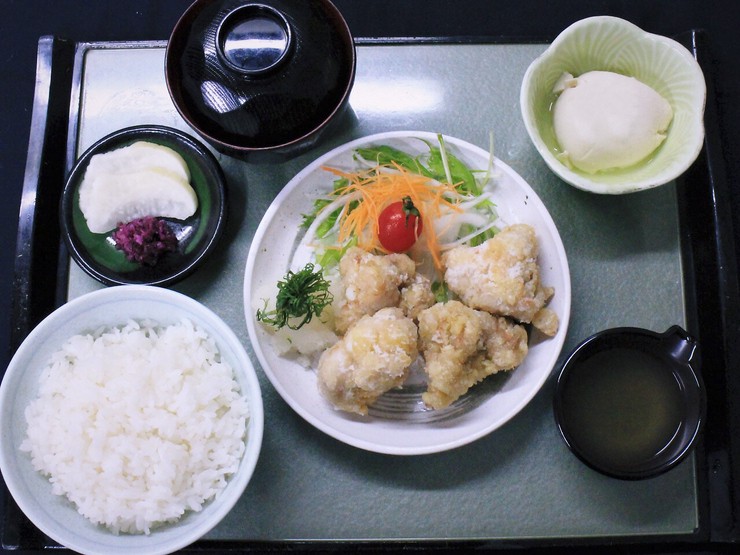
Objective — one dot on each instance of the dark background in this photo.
(24, 21)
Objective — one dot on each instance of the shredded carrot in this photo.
(377, 188)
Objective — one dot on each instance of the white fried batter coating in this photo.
(546, 321)
(368, 283)
(373, 357)
(417, 296)
(502, 276)
(462, 346)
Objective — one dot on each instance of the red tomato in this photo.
(399, 226)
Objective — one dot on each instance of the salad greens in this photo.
(439, 165)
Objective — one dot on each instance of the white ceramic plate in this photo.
(399, 424)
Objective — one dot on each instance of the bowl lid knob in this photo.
(254, 39)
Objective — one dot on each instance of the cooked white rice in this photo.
(137, 424)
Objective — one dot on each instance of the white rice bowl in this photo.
(59, 518)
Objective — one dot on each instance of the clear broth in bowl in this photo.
(622, 407)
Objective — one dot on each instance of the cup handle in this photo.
(682, 346)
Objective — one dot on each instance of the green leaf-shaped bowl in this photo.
(613, 44)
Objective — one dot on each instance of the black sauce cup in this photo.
(630, 402)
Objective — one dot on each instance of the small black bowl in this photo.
(97, 254)
(630, 402)
(260, 78)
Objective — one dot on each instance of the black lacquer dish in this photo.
(197, 236)
(630, 402)
(260, 77)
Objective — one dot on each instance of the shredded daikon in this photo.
(450, 199)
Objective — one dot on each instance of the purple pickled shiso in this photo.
(145, 240)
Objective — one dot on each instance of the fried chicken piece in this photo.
(462, 346)
(368, 283)
(502, 276)
(546, 321)
(417, 296)
(373, 357)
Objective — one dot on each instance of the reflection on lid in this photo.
(254, 39)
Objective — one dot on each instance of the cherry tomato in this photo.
(400, 226)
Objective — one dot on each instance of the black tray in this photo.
(712, 301)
